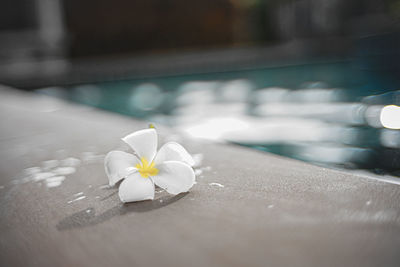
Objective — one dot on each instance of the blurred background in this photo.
(315, 80)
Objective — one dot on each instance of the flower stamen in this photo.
(145, 169)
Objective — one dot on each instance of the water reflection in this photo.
(315, 122)
(146, 97)
(390, 117)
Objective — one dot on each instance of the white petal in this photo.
(136, 188)
(118, 165)
(143, 142)
(174, 176)
(173, 151)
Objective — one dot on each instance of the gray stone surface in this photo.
(272, 211)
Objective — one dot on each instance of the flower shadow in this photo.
(88, 217)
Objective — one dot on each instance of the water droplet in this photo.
(78, 194)
(76, 199)
(53, 184)
(217, 184)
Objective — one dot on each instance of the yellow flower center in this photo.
(146, 169)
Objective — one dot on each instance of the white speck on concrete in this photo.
(78, 194)
(270, 206)
(368, 202)
(53, 184)
(216, 184)
(76, 199)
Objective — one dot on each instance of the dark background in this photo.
(46, 42)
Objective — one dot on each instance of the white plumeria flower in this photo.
(169, 168)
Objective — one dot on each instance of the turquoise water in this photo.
(150, 97)
(114, 96)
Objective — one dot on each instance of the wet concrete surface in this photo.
(247, 209)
